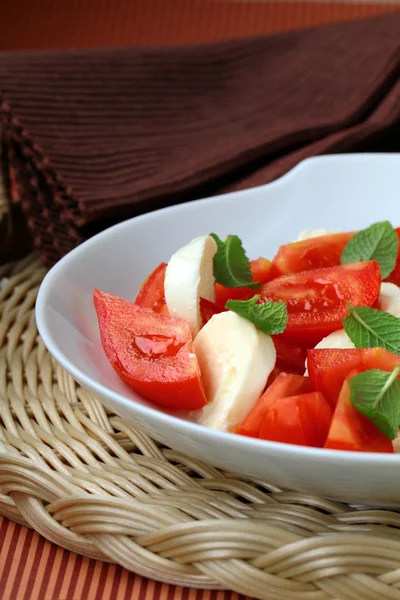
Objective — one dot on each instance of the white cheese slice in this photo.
(389, 298)
(235, 360)
(308, 234)
(189, 276)
(337, 339)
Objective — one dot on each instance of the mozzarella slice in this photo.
(389, 298)
(337, 339)
(308, 234)
(189, 276)
(235, 360)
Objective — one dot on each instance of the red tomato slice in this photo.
(303, 419)
(284, 385)
(276, 371)
(350, 430)
(316, 300)
(329, 367)
(379, 358)
(289, 358)
(394, 276)
(261, 272)
(153, 354)
(208, 309)
(315, 253)
(151, 293)
(223, 294)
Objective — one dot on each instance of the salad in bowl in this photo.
(302, 349)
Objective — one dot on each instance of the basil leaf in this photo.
(376, 395)
(269, 317)
(371, 328)
(378, 242)
(231, 265)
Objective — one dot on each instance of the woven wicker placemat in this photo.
(89, 482)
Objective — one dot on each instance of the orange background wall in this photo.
(79, 23)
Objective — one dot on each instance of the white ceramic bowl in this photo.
(334, 192)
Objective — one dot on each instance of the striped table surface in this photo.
(30, 567)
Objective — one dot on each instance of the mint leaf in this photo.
(376, 394)
(372, 328)
(269, 317)
(378, 242)
(231, 265)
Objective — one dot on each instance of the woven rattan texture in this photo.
(87, 481)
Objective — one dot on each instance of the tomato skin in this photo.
(153, 354)
(379, 358)
(329, 367)
(261, 272)
(284, 385)
(151, 293)
(289, 358)
(316, 416)
(208, 309)
(350, 430)
(316, 300)
(223, 294)
(276, 371)
(315, 253)
(303, 419)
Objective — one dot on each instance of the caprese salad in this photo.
(303, 349)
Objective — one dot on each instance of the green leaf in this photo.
(372, 328)
(376, 394)
(269, 317)
(378, 242)
(231, 265)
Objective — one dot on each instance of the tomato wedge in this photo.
(316, 253)
(208, 309)
(284, 385)
(303, 419)
(276, 371)
(316, 300)
(153, 354)
(289, 358)
(329, 367)
(151, 294)
(261, 272)
(350, 430)
(319, 252)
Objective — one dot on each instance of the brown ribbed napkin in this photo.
(93, 137)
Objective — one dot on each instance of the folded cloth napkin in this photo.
(93, 137)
